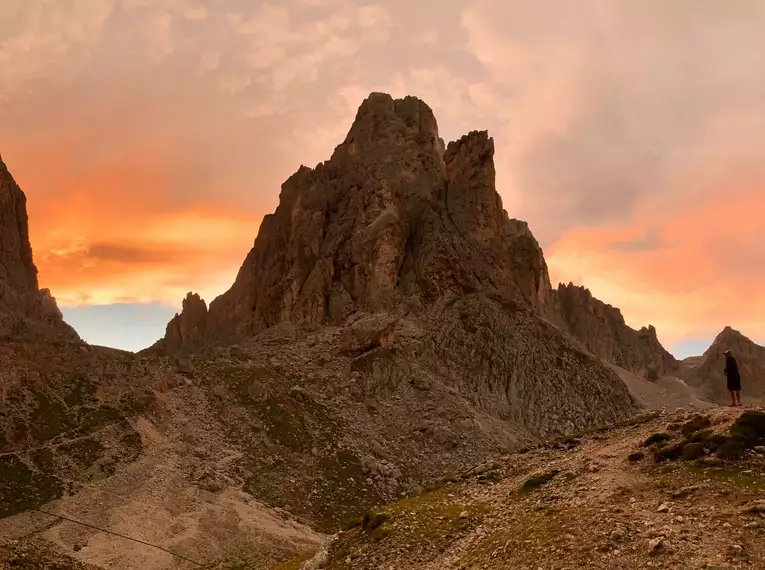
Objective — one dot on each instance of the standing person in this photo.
(734, 379)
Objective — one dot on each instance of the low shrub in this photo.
(372, 520)
(715, 441)
(696, 423)
(693, 451)
(699, 436)
(732, 449)
(656, 438)
(749, 428)
(668, 453)
(636, 456)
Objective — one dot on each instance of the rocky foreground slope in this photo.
(675, 490)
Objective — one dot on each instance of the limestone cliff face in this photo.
(602, 331)
(25, 310)
(394, 221)
(750, 357)
(529, 265)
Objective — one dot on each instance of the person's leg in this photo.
(732, 399)
(738, 397)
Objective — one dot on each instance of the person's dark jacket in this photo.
(731, 371)
(731, 368)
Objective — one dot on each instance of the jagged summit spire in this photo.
(382, 121)
(393, 221)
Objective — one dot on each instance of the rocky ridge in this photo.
(602, 331)
(25, 309)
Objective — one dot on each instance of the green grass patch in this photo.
(372, 520)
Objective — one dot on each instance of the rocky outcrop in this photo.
(601, 330)
(707, 374)
(25, 310)
(393, 222)
(529, 265)
(186, 330)
(403, 244)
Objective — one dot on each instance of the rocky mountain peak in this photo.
(733, 340)
(24, 309)
(382, 121)
(186, 330)
(393, 222)
(750, 357)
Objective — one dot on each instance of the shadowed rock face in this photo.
(187, 329)
(392, 222)
(750, 357)
(25, 310)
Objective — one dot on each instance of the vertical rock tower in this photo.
(394, 221)
(25, 310)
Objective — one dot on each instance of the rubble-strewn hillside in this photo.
(676, 490)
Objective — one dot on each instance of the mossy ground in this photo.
(427, 520)
(328, 486)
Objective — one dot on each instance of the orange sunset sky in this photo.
(151, 136)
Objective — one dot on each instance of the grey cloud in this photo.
(133, 254)
(651, 240)
(646, 85)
